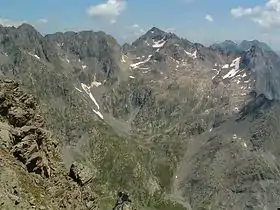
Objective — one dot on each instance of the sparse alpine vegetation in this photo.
(173, 124)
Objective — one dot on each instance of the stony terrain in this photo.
(32, 173)
(175, 124)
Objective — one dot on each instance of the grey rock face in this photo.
(266, 67)
(96, 48)
(27, 38)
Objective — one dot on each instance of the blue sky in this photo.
(197, 20)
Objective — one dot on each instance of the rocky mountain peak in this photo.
(155, 31)
(28, 33)
(154, 34)
(227, 41)
(247, 45)
(26, 40)
(227, 47)
(266, 67)
(27, 28)
(157, 34)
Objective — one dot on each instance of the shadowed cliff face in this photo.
(175, 124)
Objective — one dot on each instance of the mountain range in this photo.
(175, 124)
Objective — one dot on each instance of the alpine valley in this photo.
(174, 124)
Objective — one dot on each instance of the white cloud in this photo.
(267, 15)
(132, 32)
(43, 21)
(137, 30)
(209, 18)
(135, 26)
(10, 23)
(109, 11)
(171, 30)
(240, 12)
(113, 21)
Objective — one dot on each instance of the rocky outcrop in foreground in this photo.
(32, 175)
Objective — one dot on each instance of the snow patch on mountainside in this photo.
(231, 73)
(147, 43)
(218, 72)
(136, 65)
(35, 56)
(78, 89)
(123, 59)
(59, 44)
(235, 63)
(98, 113)
(144, 68)
(87, 88)
(235, 68)
(159, 44)
(226, 66)
(94, 83)
(192, 55)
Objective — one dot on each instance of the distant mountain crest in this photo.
(266, 67)
(156, 31)
(246, 45)
(229, 46)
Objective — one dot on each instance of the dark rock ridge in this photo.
(229, 46)
(246, 45)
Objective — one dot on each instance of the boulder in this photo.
(24, 149)
(17, 116)
(80, 173)
(6, 138)
(38, 163)
(27, 130)
(4, 104)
